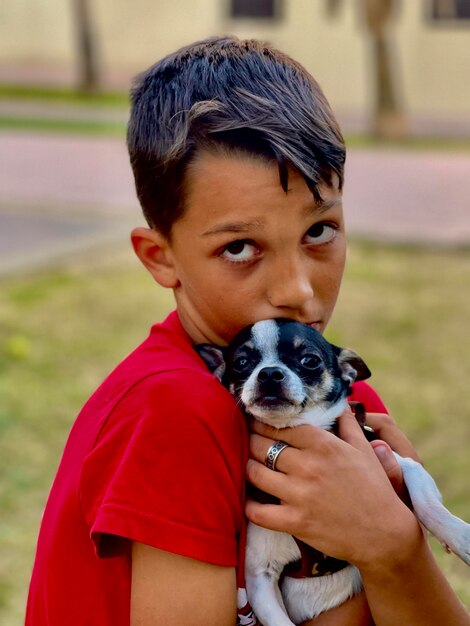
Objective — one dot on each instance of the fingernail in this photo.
(383, 454)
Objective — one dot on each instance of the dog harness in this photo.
(312, 563)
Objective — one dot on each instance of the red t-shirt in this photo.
(157, 455)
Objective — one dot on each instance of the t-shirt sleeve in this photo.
(167, 470)
(362, 392)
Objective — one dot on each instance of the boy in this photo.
(238, 163)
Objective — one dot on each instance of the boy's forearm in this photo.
(413, 592)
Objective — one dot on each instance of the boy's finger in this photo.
(265, 479)
(273, 516)
(392, 468)
(309, 437)
(285, 460)
(387, 430)
(350, 431)
(304, 436)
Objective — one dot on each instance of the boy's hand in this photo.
(334, 493)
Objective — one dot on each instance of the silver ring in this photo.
(273, 452)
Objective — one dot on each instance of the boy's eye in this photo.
(239, 251)
(320, 233)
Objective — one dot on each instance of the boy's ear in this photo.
(214, 357)
(154, 252)
(353, 368)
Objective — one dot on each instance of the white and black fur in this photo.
(285, 374)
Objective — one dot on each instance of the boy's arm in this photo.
(178, 591)
(413, 591)
(427, 597)
(419, 595)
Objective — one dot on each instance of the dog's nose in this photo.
(271, 374)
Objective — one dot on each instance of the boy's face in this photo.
(245, 250)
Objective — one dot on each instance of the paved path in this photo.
(409, 196)
(60, 193)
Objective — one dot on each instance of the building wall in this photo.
(35, 32)
(434, 61)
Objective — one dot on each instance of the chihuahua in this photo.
(284, 374)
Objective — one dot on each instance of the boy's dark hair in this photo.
(232, 96)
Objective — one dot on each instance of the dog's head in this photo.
(278, 369)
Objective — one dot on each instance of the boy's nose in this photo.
(290, 286)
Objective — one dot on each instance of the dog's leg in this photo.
(450, 530)
(306, 598)
(265, 601)
(266, 555)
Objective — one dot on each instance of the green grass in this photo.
(64, 95)
(63, 126)
(74, 100)
(405, 310)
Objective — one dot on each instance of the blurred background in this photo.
(73, 300)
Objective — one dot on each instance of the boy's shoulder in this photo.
(167, 354)
(167, 348)
(163, 369)
(162, 384)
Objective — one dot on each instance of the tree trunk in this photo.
(88, 72)
(389, 118)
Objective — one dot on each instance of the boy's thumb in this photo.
(391, 467)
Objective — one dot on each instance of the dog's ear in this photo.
(353, 368)
(214, 358)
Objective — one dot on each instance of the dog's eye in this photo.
(310, 361)
(240, 364)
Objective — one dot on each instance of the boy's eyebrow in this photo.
(243, 227)
(233, 227)
(325, 205)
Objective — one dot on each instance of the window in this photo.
(450, 10)
(267, 9)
